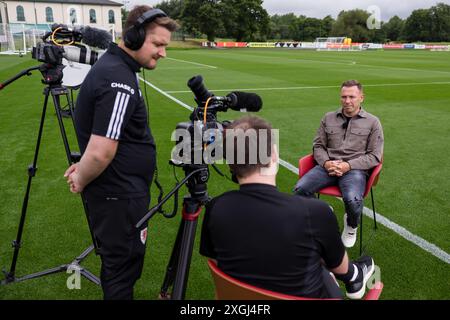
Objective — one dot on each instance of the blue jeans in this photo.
(352, 185)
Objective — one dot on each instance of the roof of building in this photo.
(97, 2)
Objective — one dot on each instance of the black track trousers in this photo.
(121, 246)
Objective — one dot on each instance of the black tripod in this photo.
(52, 77)
(177, 271)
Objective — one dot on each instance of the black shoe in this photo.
(357, 288)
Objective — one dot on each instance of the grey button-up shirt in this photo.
(360, 143)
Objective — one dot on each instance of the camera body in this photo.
(60, 43)
(199, 141)
(48, 53)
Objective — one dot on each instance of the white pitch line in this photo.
(418, 241)
(196, 63)
(322, 87)
(168, 95)
(350, 63)
(422, 243)
(375, 66)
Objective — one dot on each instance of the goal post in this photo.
(335, 44)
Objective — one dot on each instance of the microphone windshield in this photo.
(245, 101)
(95, 37)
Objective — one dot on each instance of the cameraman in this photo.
(274, 240)
(118, 150)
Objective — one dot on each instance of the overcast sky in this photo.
(321, 8)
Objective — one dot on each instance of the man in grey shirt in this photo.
(349, 142)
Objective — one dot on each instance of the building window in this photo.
(111, 16)
(92, 16)
(49, 14)
(20, 13)
(1, 19)
(73, 16)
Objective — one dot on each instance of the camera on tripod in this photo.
(56, 45)
(195, 144)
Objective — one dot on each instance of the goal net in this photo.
(335, 44)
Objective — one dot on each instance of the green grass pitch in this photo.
(408, 90)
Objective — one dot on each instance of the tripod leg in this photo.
(88, 275)
(184, 262)
(10, 276)
(173, 262)
(191, 211)
(56, 93)
(84, 254)
(178, 268)
(73, 266)
(61, 268)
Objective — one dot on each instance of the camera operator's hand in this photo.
(73, 179)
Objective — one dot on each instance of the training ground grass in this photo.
(412, 190)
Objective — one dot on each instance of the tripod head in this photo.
(52, 75)
(196, 182)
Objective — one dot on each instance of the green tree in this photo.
(124, 16)
(173, 8)
(280, 26)
(394, 28)
(418, 26)
(297, 28)
(327, 26)
(204, 16)
(312, 29)
(352, 24)
(431, 24)
(246, 20)
(440, 19)
(378, 35)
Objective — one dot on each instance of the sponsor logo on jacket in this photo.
(122, 86)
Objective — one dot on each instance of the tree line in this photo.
(247, 20)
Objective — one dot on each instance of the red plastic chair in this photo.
(229, 288)
(307, 163)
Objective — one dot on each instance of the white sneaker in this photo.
(348, 234)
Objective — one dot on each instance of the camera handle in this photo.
(178, 268)
(155, 209)
(26, 72)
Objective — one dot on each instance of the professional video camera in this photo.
(61, 42)
(192, 149)
(194, 138)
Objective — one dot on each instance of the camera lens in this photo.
(199, 89)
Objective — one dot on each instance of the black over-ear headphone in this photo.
(135, 36)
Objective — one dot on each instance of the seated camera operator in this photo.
(273, 240)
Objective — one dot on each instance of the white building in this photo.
(41, 14)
